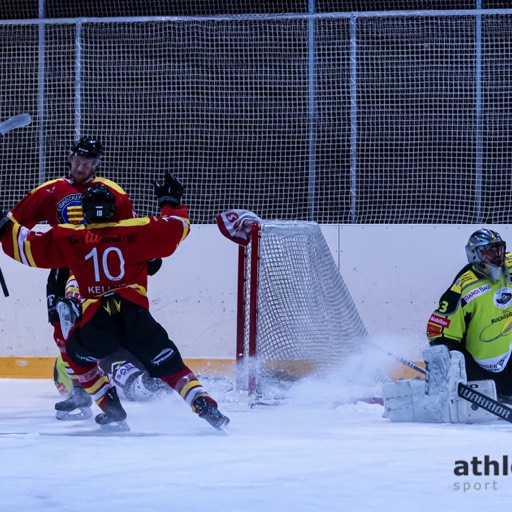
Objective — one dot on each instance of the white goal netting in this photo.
(298, 314)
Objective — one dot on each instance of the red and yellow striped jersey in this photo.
(59, 201)
(104, 257)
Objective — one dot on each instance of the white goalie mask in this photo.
(486, 250)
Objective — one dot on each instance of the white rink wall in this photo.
(395, 274)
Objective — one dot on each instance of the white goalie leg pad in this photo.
(436, 399)
(445, 370)
(405, 400)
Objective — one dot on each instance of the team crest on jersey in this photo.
(503, 298)
(69, 210)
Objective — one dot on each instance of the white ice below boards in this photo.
(306, 455)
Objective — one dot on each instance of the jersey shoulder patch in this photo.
(508, 260)
(110, 184)
(451, 298)
(466, 277)
(50, 185)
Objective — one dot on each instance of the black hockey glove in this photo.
(168, 191)
(154, 266)
(4, 222)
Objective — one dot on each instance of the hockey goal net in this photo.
(295, 313)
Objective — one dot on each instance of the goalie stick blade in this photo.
(488, 404)
(14, 123)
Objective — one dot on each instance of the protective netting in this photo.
(338, 118)
(26, 9)
(306, 319)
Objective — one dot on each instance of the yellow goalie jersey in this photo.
(475, 313)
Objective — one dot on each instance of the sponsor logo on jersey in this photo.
(466, 279)
(433, 331)
(69, 210)
(476, 292)
(506, 314)
(494, 368)
(439, 320)
(88, 237)
(503, 298)
(490, 332)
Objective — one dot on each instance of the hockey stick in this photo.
(7, 126)
(488, 404)
(405, 362)
(466, 392)
(3, 284)
(14, 122)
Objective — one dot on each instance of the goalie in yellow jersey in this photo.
(474, 315)
(470, 337)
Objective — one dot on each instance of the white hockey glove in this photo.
(70, 312)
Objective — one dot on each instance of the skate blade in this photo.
(84, 413)
(224, 428)
(115, 426)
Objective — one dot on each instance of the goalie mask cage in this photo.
(295, 313)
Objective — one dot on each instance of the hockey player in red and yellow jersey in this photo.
(59, 201)
(108, 260)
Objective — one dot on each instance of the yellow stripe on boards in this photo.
(42, 367)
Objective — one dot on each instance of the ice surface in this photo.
(314, 452)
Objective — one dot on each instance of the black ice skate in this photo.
(76, 407)
(113, 418)
(206, 408)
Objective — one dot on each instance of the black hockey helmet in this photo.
(87, 147)
(486, 249)
(98, 204)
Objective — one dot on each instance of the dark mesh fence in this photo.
(338, 119)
